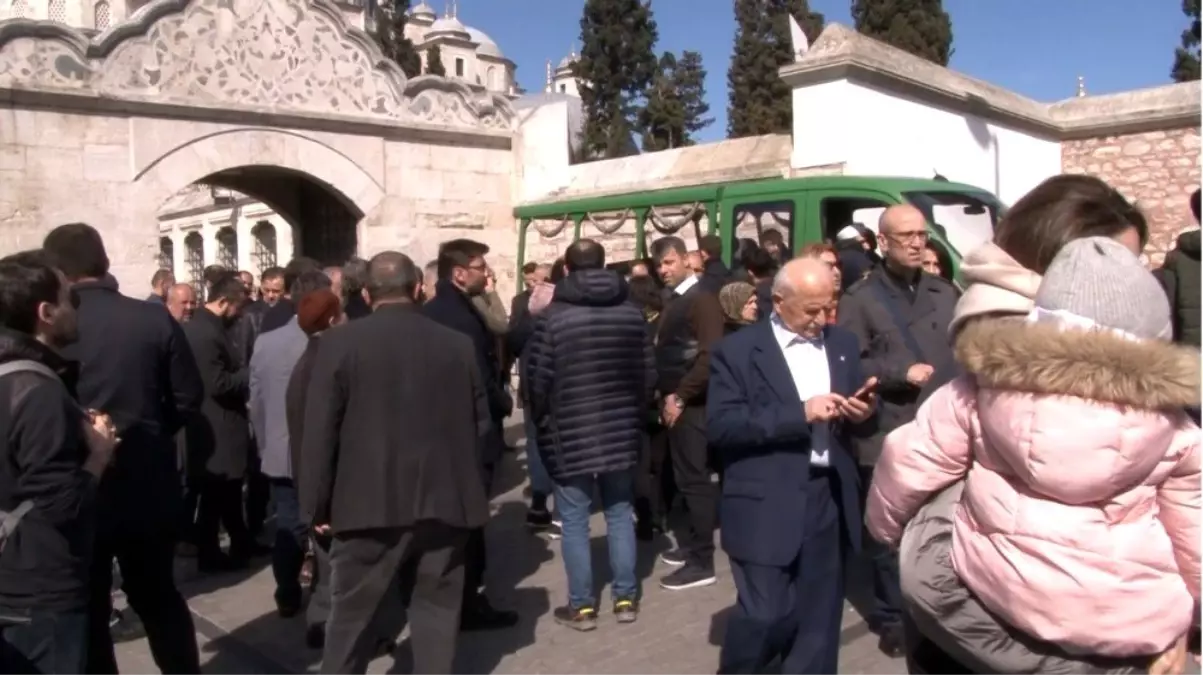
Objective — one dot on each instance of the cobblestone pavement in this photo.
(678, 632)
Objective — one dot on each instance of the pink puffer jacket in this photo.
(1079, 523)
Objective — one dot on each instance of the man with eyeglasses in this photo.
(462, 275)
(900, 315)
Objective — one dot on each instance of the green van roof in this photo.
(716, 191)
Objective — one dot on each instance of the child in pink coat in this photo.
(1079, 522)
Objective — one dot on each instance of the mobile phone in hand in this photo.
(866, 391)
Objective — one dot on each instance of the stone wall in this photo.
(1157, 169)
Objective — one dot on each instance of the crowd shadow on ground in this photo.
(858, 591)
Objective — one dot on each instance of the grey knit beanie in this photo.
(1101, 280)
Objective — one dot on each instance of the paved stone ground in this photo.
(678, 632)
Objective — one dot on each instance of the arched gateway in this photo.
(277, 99)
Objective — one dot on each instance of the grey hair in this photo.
(782, 283)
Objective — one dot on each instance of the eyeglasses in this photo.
(908, 237)
(477, 267)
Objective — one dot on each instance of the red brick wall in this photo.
(1157, 169)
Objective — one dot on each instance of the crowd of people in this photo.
(1018, 460)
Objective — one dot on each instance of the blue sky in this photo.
(1035, 47)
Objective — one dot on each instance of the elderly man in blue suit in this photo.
(784, 394)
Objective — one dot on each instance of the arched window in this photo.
(166, 254)
(20, 9)
(227, 248)
(194, 260)
(494, 80)
(100, 15)
(57, 11)
(264, 252)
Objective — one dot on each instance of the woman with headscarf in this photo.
(738, 300)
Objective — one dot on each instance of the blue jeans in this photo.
(540, 481)
(288, 554)
(574, 497)
(43, 642)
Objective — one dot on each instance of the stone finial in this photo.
(1081, 86)
(549, 86)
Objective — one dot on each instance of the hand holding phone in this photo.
(867, 391)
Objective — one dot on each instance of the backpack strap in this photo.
(26, 366)
(886, 300)
(10, 519)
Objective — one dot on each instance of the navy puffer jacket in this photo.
(590, 374)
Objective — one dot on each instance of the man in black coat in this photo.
(218, 439)
(715, 274)
(463, 273)
(46, 468)
(284, 309)
(390, 451)
(900, 316)
(591, 374)
(136, 366)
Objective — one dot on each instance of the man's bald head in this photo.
(898, 217)
(903, 229)
(181, 301)
(804, 275)
(392, 277)
(802, 295)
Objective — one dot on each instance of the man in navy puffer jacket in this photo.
(590, 376)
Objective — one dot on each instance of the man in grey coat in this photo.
(900, 316)
(275, 355)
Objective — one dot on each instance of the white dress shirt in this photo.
(684, 286)
(808, 368)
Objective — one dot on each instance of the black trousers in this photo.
(258, 495)
(476, 555)
(691, 468)
(220, 506)
(654, 486)
(886, 612)
(427, 563)
(149, 585)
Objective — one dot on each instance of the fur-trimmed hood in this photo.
(1011, 354)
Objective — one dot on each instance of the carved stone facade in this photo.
(1157, 169)
(277, 99)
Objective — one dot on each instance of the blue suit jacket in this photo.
(756, 424)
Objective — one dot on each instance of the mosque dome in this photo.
(486, 46)
(448, 26)
(567, 61)
(423, 11)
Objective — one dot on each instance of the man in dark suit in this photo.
(218, 440)
(783, 394)
(136, 366)
(390, 469)
(463, 274)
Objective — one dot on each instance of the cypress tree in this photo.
(1186, 56)
(758, 101)
(920, 27)
(689, 80)
(615, 69)
(676, 103)
(390, 35)
(434, 62)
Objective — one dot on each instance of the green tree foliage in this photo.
(390, 35)
(434, 62)
(615, 69)
(1186, 56)
(676, 103)
(758, 101)
(920, 27)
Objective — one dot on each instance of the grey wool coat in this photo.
(272, 361)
